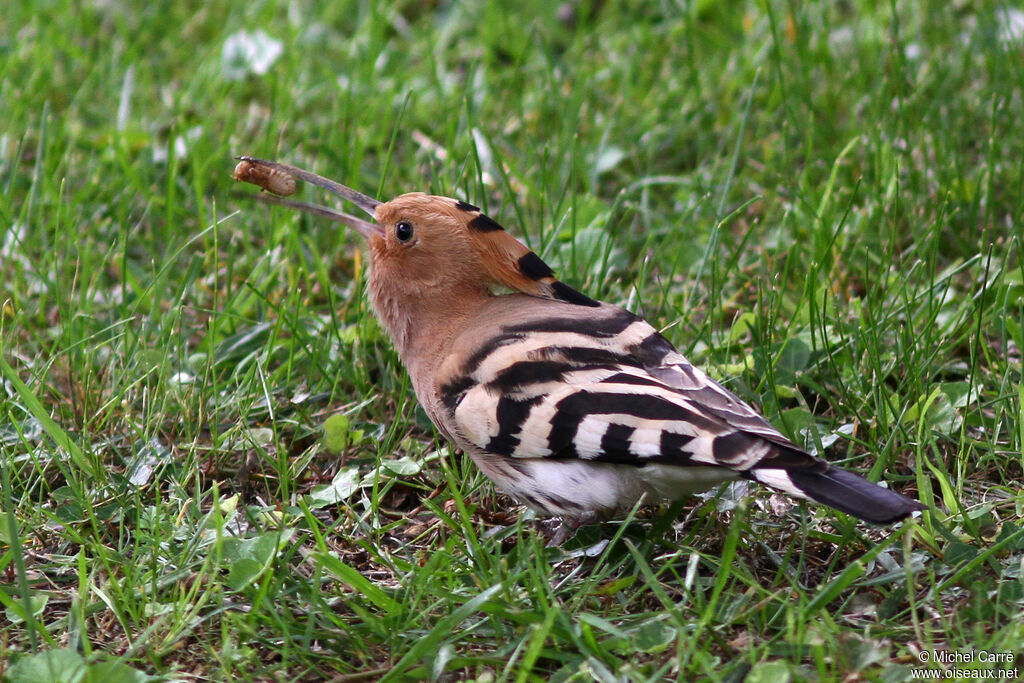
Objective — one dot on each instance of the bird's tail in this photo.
(842, 490)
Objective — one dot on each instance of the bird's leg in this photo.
(558, 530)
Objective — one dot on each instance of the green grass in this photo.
(822, 204)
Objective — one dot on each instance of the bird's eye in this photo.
(403, 231)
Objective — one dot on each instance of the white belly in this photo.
(578, 488)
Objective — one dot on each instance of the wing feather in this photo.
(608, 388)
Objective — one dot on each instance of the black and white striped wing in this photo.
(607, 388)
(674, 370)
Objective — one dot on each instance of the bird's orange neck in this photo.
(423, 330)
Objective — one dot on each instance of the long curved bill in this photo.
(279, 179)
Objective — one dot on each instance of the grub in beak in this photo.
(267, 177)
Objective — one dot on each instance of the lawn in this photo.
(213, 464)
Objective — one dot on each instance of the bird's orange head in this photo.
(451, 246)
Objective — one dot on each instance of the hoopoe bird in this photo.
(574, 407)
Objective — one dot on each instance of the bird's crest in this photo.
(511, 263)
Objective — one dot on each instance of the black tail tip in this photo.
(854, 495)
